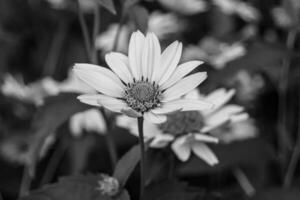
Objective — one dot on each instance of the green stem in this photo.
(284, 141)
(25, 183)
(244, 182)
(85, 32)
(142, 165)
(96, 28)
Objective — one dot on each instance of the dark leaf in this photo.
(126, 164)
(55, 111)
(128, 3)
(278, 194)
(109, 5)
(73, 188)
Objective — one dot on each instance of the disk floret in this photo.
(142, 95)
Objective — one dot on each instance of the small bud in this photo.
(108, 185)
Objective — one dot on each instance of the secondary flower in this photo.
(108, 185)
(187, 7)
(146, 83)
(187, 132)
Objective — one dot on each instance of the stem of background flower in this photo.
(25, 183)
(53, 163)
(55, 48)
(83, 25)
(244, 182)
(294, 160)
(284, 139)
(120, 24)
(142, 164)
(96, 27)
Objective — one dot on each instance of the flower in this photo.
(146, 83)
(164, 25)
(217, 53)
(108, 185)
(105, 41)
(187, 132)
(242, 9)
(187, 7)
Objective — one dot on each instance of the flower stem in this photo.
(96, 27)
(85, 32)
(284, 140)
(142, 165)
(25, 183)
(244, 182)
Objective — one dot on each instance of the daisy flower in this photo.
(187, 132)
(146, 84)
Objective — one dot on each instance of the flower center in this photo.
(108, 185)
(142, 96)
(183, 122)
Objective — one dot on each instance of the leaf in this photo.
(278, 194)
(139, 15)
(128, 3)
(109, 5)
(77, 187)
(249, 153)
(55, 111)
(126, 164)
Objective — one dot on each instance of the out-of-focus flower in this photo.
(34, 92)
(146, 83)
(164, 25)
(16, 149)
(106, 40)
(242, 130)
(217, 53)
(187, 7)
(288, 14)
(90, 120)
(247, 86)
(242, 9)
(85, 5)
(187, 131)
(108, 185)
(58, 4)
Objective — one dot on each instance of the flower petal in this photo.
(117, 63)
(204, 152)
(161, 140)
(180, 72)
(135, 52)
(108, 102)
(90, 99)
(154, 118)
(219, 97)
(131, 113)
(181, 148)
(101, 79)
(205, 138)
(169, 61)
(184, 86)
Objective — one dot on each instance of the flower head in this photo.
(147, 83)
(187, 132)
(108, 185)
(187, 7)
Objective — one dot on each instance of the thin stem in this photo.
(26, 182)
(142, 165)
(96, 28)
(84, 28)
(284, 141)
(244, 182)
(294, 159)
(53, 163)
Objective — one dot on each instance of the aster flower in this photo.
(145, 84)
(187, 132)
(164, 24)
(187, 7)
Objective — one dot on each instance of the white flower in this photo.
(90, 120)
(105, 41)
(146, 83)
(217, 53)
(108, 185)
(164, 25)
(85, 5)
(242, 9)
(186, 7)
(187, 131)
(242, 130)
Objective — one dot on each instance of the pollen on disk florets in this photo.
(108, 185)
(183, 122)
(142, 95)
